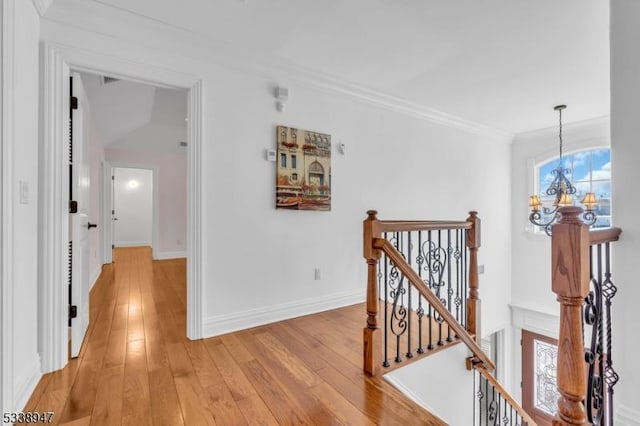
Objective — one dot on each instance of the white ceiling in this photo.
(501, 63)
(138, 116)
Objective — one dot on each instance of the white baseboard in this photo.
(626, 416)
(28, 385)
(221, 324)
(132, 243)
(95, 276)
(170, 255)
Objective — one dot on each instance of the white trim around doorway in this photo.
(52, 328)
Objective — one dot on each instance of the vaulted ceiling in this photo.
(501, 63)
(129, 115)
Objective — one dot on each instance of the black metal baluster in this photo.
(409, 286)
(385, 363)
(420, 311)
(449, 288)
(475, 394)
(600, 348)
(428, 257)
(397, 298)
(486, 401)
(457, 256)
(609, 291)
(440, 284)
(465, 279)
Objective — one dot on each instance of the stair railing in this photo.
(581, 259)
(493, 405)
(425, 274)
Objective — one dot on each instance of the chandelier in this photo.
(563, 191)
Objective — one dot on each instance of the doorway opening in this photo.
(55, 228)
(132, 207)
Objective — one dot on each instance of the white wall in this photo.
(258, 263)
(96, 158)
(172, 196)
(436, 381)
(20, 361)
(625, 129)
(133, 198)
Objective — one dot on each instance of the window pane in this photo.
(588, 171)
(545, 393)
(580, 163)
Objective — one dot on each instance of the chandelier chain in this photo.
(560, 134)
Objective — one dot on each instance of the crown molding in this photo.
(596, 128)
(42, 6)
(123, 26)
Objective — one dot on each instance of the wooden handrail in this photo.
(391, 252)
(507, 397)
(421, 225)
(601, 236)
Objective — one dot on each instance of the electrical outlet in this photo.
(316, 274)
(480, 269)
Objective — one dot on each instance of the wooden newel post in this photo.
(371, 334)
(473, 302)
(570, 281)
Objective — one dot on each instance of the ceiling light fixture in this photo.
(562, 190)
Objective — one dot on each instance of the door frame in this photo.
(52, 324)
(155, 207)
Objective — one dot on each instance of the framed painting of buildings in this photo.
(303, 172)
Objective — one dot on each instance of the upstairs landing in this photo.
(137, 367)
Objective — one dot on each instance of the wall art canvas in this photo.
(303, 179)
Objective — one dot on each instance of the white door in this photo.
(79, 222)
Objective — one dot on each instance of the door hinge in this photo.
(73, 206)
(113, 246)
(73, 311)
(73, 102)
(113, 178)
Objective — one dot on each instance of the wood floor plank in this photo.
(137, 367)
(233, 376)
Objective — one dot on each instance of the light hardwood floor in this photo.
(137, 367)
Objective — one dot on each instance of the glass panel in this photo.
(589, 171)
(545, 392)
(580, 164)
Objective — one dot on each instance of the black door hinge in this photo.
(73, 311)
(73, 206)
(73, 102)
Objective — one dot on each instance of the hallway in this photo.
(136, 366)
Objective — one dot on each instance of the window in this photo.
(294, 162)
(283, 160)
(294, 176)
(589, 171)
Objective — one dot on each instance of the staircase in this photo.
(423, 300)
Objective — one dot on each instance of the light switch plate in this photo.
(271, 155)
(24, 192)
